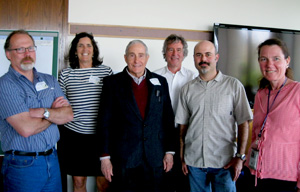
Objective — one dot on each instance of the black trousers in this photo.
(142, 178)
(246, 183)
(274, 185)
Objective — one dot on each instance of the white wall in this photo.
(177, 14)
(114, 57)
(188, 14)
(113, 49)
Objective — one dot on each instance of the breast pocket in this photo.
(223, 105)
(46, 97)
(31, 100)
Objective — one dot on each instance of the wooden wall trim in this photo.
(137, 32)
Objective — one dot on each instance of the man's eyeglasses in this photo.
(23, 49)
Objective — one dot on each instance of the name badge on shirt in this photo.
(155, 81)
(41, 86)
(253, 159)
(94, 79)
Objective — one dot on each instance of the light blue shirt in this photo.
(17, 95)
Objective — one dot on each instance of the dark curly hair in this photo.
(72, 57)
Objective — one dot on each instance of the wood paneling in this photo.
(37, 15)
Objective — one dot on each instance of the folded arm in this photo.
(60, 112)
(33, 122)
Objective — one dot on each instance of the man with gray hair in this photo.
(136, 124)
(175, 49)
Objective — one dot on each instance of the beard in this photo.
(25, 65)
(203, 70)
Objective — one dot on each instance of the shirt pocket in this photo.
(46, 97)
(31, 100)
(223, 105)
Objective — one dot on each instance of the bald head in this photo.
(207, 44)
(206, 58)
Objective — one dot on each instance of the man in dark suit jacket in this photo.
(136, 124)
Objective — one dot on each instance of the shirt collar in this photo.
(136, 79)
(18, 75)
(217, 78)
(182, 71)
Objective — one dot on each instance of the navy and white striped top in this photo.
(17, 95)
(83, 87)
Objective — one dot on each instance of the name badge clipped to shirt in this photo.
(155, 81)
(94, 79)
(41, 86)
(253, 158)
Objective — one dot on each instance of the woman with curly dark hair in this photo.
(82, 85)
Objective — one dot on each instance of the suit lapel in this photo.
(152, 96)
(128, 93)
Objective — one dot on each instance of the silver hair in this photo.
(136, 42)
(173, 38)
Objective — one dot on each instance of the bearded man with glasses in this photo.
(32, 104)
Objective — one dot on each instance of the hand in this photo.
(168, 162)
(60, 102)
(185, 169)
(106, 168)
(237, 165)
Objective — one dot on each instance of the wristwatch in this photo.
(241, 156)
(46, 113)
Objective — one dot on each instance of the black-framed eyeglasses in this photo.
(23, 49)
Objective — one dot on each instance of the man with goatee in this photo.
(31, 106)
(213, 113)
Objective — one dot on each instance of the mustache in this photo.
(203, 62)
(27, 58)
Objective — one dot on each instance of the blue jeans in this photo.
(31, 173)
(210, 179)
